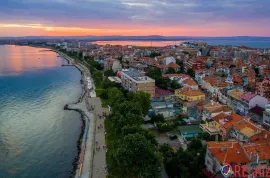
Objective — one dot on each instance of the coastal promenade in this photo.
(92, 161)
(99, 162)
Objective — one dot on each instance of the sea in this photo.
(249, 42)
(37, 137)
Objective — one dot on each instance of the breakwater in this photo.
(86, 139)
(76, 160)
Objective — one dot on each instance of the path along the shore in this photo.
(92, 159)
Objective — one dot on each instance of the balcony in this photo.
(209, 129)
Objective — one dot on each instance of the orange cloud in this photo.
(122, 29)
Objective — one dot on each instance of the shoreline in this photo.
(81, 145)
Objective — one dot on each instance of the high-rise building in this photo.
(134, 80)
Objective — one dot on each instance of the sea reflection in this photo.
(23, 58)
(140, 43)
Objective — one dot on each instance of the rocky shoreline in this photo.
(76, 160)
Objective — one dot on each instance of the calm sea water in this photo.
(37, 137)
(253, 43)
(139, 43)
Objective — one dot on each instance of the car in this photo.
(173, 137)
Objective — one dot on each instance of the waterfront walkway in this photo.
(99, 162)
(92, 161)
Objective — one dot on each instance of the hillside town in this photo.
(216, 94)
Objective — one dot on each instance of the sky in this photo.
(134, 17)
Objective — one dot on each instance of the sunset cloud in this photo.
(170, 17)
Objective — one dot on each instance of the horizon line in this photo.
(130, 36)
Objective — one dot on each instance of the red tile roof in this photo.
(161, 92)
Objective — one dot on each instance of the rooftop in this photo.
(233, 119)
(137, 75)
(226, 152)
(189, 92)
(248, 96)
(189, 129)
(247, 128)
(161, 92)
(236, 94)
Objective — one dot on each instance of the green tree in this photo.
(170, 71)
(80, 55)
(195, 144)
(155, 73)
(98, 77)
(167, 152)
(137, 156)
(191, 72)
(143, 99)
(132, 129)
(175, 85)
(108, 73)
(126, 107)
(158, 118)
(115, 96)
(108, 84)
(165, 127)
(120, 121)
(181, 64)
(95, 64)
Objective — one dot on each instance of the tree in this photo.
(95, 64)
(80, 54)
(256, 69)
(191, 72)
(108, 73)
(170, 71)
(108, 84)
(115, 96)
(125, 107)
(167, 152)
(144, 100)
(158, 118)
(175, 85)
(103, 94)
(155, 73)
(195, 144)
(98, 77)
(132, 129)
(181, 64)
(165, 127)
(137, 156)
(120, 121)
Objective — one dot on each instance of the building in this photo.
(188, 94)
(165, 68)
(212, 109)
(112, 64)
(239, 153)
(190, 84)
(189, 131)
(263, 88)
(163, 94)
(266, 117)
(195, 64)
(134, 80)
(164, 107)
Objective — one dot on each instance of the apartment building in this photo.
(134, 80)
